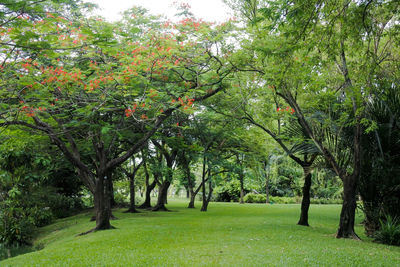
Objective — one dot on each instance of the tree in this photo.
(95, 79)
(314, 51)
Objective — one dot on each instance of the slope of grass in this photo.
(229, 234)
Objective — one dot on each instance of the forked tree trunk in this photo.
(305, 203)
(149, 187)
(147, 200)
(193, 193)
(347, 215)
(190, 188)
(162, 197)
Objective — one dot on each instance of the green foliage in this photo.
(389, 232)
(254, 198)
(16, 224)
(62, 206)
(228, 192)
(261, 198)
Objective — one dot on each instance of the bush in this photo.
(261, 198)
(40, 216)
(389, 232)
(228, 192)
(16, 227)
(254, 198)
(62, 206)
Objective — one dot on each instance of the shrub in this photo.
(254, 198)
(16, 228)
(228, 192)
(62, 206)
(389, 232)
(261, 198)
(120, 199)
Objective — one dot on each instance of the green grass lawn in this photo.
(229, 234)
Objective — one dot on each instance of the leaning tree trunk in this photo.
(347, 215)
(162, 197)
(305, 203)
(207, 200)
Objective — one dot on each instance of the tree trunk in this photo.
(203, 186)
(347, 215)
(305, 203)
(162, 197)
(149, 187)
(241, 189)
(267, 190)
(266, 183)
(107, 195)
(187, 192)
(111, 189)
(102, 204)
(132, 206)
(147, 200)
(192, 198)
(207, 200)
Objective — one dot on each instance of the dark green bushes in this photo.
(261, 198)
(389, 231)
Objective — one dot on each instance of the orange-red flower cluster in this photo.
(288, 109)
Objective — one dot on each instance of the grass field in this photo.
(229, 234)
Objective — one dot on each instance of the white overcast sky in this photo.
(208, 10)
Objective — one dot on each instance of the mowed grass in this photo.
(229, 234)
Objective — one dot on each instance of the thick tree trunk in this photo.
(305, 203)
(162, 197)
(106, 194)
(102, 204)
(111, 190)
(347, 215)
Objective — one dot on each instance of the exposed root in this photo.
(132, 211)
(95, 230)
(145, 206)
(351, 235)
(160, 208)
